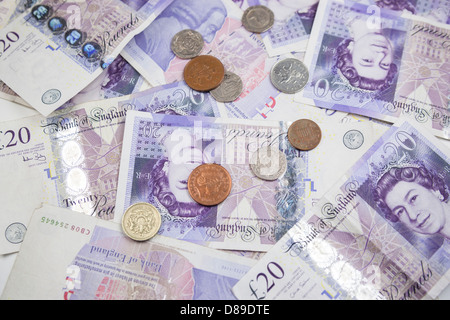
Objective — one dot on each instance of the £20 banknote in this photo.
(381, 232)
(56, 48)
(77, 257)
(160, 151)
(71, 159)
(379, 63)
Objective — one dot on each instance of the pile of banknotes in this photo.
(364, 213)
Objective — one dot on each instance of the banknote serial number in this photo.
(65, 225)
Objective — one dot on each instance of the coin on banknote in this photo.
(304, 134)
(141, 221)
(268, 163)
(289, 75)
(209, 184)
(204, 73)
(230, 88)
(258, 19)
(187, 44)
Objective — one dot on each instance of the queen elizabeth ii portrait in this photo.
(416, 197)
(366, 59)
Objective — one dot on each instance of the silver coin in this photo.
(230, 88)
(268, 163)
(187, 44)
(353, 139)
(289, 75)
(258, 19)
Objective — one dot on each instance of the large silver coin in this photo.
(141, 221)
(258, 19)
(187, 44)
(289, 75)
(268, 163)
(230, 88)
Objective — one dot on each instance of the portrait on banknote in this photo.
(408, 186)
(364, 55)
(366, 58)
(417, 197)
(380, 63)
(119, 79)
(349, 240)
(168, 176)
(165, 150)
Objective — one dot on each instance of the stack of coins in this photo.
(206, 73)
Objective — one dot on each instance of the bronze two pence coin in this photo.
(204, 73)
(304, 134)
(209, 184)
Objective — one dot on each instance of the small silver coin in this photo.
(15, 232)
(187, 44)
(258, 19)
(230, 88)
(268, 163)
(289, 75)
(353, 139)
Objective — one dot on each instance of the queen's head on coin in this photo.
(366, 59)
(416, 197)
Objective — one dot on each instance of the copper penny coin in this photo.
(304, 134)
(209, 184)
(204, 73)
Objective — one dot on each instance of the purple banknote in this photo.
(161, 150)
(292, 24)
(82, 258)
(294, 19)
(71, 159)
(54, 49)
(119, 79)
(378, 63)
(381, 232)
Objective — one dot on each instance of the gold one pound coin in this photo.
(141, 221)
